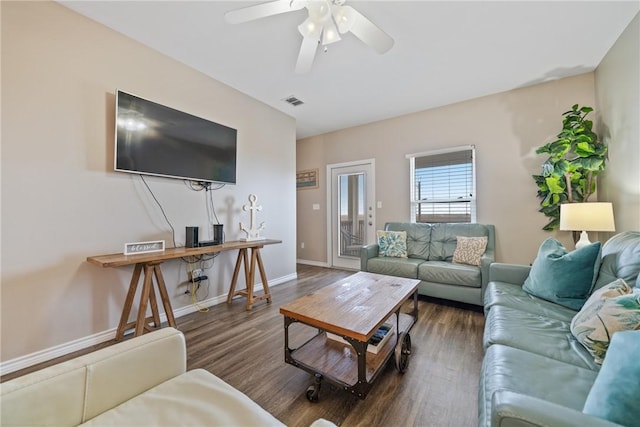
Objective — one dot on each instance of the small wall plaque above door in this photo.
(143, 247)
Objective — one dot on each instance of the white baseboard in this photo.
(50, 353)
(314, 263)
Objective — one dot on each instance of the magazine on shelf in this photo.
(377, 341)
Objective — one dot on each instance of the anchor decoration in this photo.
(253, 233)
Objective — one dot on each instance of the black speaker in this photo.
(192, 237)
(218, 234)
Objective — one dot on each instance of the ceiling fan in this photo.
(327, 20)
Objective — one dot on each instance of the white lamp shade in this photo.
(593, 216)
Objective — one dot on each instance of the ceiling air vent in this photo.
(293, 101)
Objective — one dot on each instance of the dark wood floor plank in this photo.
(246, 349)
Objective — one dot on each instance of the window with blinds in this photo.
(443, 185)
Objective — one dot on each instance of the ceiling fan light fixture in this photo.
(330, 32)
(319, 10)
(344, 17)
(310, 28)
(326, 21)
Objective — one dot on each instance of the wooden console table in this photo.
(149, 264)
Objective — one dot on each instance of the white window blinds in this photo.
(443, 185)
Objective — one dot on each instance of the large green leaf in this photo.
(591, 163)
(584, 147)
(555, 184)
(560, 168)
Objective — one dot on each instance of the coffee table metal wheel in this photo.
(314, 389)
(402, 352)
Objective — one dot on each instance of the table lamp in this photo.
(591, 216)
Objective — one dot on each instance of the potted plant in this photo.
(575, 159)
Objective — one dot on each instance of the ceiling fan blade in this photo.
(364, 29)
(307, 54)
(262, 10)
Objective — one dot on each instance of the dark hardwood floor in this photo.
(246, 349)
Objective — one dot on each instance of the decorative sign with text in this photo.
(143, 247)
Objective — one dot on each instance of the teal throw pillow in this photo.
(614, 394)
(563, 277)
(612, 308)
(392, 243)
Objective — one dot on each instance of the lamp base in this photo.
(584, 240)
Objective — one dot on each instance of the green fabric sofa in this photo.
(430, 250)
(534, 372)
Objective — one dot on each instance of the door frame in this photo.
(370, 163)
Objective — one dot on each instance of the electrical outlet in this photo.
(302, 245)
(195, 273)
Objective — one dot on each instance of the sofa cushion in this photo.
(443, 238)
(508, 368)
(450, 274)
(510, 295)
(614, 395)
(469, 250)
(418, 237)
(401, 267)
(537, 334)
(392, 243)
(193, 398)
(613, 308)
(563, 277)
(620, 259)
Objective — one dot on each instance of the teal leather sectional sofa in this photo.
(535, 372)
(430, 249)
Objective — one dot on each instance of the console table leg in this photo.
(250, 276)
(155, 315)
(250, 279)
(164, 295)
(144, 299)
(128, 302)
(263, 276)
(242, 255)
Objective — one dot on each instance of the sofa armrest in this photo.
(486, 260)
(509, 273)
(367, 252)
(72, 392)
(485, 271)
(510, 409)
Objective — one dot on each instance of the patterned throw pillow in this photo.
(469, 250)
(392, 243)
(612, 308)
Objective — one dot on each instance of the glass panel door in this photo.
(351, 198)
(351, 218)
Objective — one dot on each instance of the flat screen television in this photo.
(153, 139)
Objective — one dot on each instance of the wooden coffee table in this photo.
(353, 308)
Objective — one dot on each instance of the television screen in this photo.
(153, 139)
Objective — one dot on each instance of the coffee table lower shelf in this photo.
(350, 367)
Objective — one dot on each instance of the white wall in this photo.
(506, 128)
(618, 100)
(62, 201)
